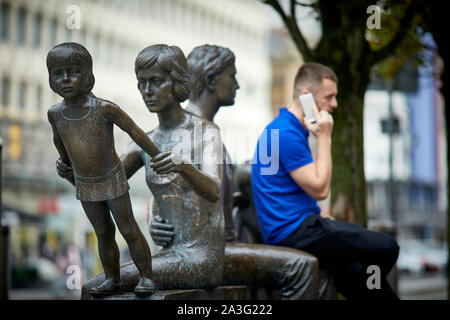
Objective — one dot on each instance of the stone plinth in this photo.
(219, 293)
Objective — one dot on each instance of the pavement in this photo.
(44, 294)
(425, 287)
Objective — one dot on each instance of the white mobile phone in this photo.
(308, 103)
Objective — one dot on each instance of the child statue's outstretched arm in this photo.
(123, 121)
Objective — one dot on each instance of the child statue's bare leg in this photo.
(139, 249)
(100, 218)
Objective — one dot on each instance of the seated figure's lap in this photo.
(264, 265)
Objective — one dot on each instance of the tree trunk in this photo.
(348, 184)
(348, 190)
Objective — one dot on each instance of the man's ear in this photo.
(210, 83)
(299, 91)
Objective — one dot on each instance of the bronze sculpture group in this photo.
(187, 170)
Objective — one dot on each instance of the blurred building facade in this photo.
(419, 151)
(37, 203)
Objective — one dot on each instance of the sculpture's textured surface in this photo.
(82, 126)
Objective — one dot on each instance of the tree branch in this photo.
(294, 16)
(303, 4)
(293, 2)
(291, 24)
(395, 42)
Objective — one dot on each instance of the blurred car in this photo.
(418, 257)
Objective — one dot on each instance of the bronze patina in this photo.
(82, 127)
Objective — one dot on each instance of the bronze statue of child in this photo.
(82, 127)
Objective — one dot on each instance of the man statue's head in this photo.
(212, 71)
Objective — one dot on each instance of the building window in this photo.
(37, 30)
(53, 31)
(4, 21)
(39, 98)
(21, 26)
(6, 91)
(22, 94)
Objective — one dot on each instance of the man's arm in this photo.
(315, 178)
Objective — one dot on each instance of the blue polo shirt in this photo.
(281, 204)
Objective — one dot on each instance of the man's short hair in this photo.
(206, 62)
(310, 77)
(170, 59)
(78, 55)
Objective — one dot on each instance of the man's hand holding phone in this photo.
(320, 123)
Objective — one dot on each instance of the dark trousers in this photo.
(348, 250)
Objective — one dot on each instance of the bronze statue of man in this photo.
(82, 127)
(186, 191)
(212, 72)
